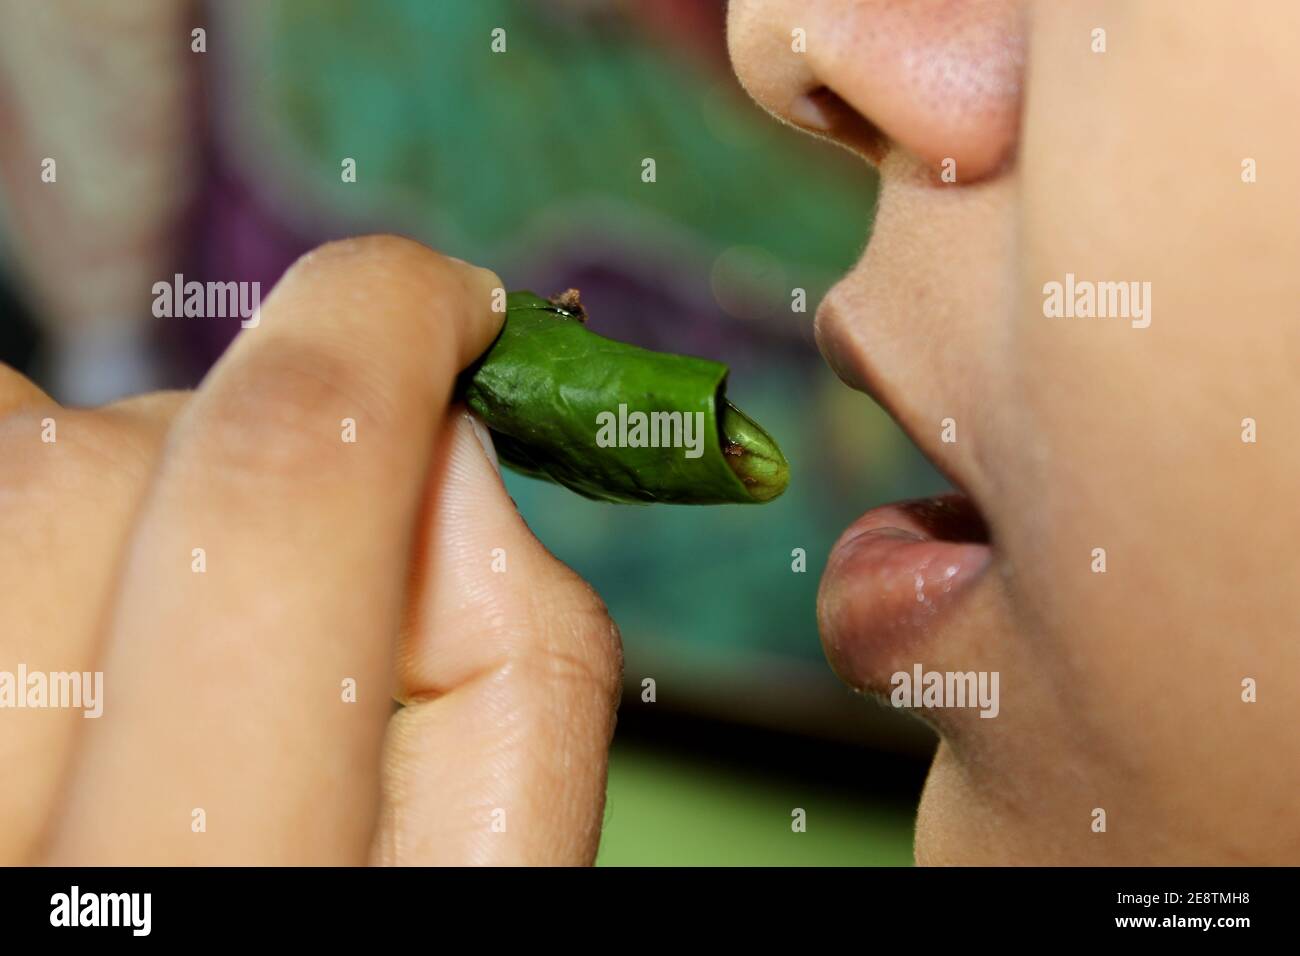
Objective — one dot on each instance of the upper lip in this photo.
(830, 332)
(853, 363)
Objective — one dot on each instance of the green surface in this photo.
(548, 385)
(664, 810)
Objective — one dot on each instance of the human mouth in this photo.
(893, 581)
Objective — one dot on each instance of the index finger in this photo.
(247, 682)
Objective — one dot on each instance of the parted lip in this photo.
(891, 580)
(898, 573)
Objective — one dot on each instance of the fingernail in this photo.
(485, 439)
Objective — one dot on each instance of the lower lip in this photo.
(890, 583)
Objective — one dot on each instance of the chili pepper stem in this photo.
(571, 302)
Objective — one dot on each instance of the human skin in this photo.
(1120, 690)
(324, 561)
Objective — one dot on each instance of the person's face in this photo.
(1120, 690)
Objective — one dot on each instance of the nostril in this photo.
(811, 111)
(823, 112)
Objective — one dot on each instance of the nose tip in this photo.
(939, 79)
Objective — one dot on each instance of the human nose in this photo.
(939, 79)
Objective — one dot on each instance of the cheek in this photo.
(1123, 443)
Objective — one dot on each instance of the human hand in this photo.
(231, 564)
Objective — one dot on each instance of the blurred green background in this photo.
(528, 159)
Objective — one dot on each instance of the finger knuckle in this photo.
(17, 393)
(293, 415)
(581, 644)
(375, 259)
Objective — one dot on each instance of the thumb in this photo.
(510, 670)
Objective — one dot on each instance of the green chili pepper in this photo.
(612, 421)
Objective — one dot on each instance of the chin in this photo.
(953, 827)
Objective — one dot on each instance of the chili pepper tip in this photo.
(753, 454)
